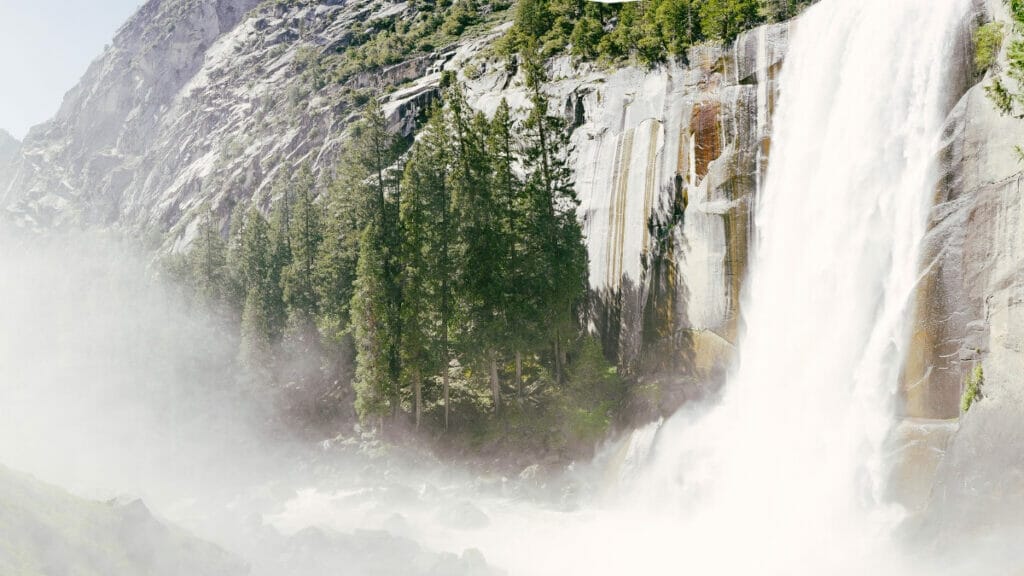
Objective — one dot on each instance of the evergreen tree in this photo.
(337, 260)
(208, 263)
(724, 19)
(373, 337)
(301, 353)
(281, 250)
(679, 24)
(264, 312)
(480, 244)
(306, 234)
(236, 284)
(559, 258)
(779, 10)
(532, 21)
(513, 239)
(427, 224)
(372, 194)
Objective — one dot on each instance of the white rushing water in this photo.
(792, 462)
(785, 475)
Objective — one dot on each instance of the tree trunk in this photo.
(444, 387)
(397, 400)
(495, 384)
(417, 392)
(519, 376)
(558, 362)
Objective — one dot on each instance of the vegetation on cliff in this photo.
(972, 388)
(438, 286)
(1005, 92)
(652, 30)
(987, 42)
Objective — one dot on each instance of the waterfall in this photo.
(792, 463)
(784, 475)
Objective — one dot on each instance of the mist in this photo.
(114, 386)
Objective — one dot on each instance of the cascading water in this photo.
(791, 463)
(785, 474)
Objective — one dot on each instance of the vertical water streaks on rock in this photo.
(621, 196)
(651, 175)
(617, 210)
(969, 307)
(947, 336)
(708, 144)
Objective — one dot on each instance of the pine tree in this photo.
(427, 225)
(208, 263)
(281, 252)
(236, 285)
(301, 353)
(560, 259)
(679, 23)
(263, 312)
(514, 280)
(478, 253)
(373, 382)
(724, 19)
(306, 235)
(372, 195)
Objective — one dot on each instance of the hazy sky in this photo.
(45, 47)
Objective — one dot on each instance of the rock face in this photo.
(197, 103)
(668, 165)
(9, 147)
(44, 531)
(98, 151)
(971, 310)
(948, 331)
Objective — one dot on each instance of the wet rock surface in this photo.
(970, 312)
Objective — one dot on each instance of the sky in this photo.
(45, 47)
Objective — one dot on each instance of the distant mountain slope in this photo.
(45, 531)
(205, 102)
(9, 147)
(82, 162)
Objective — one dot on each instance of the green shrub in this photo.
(987, 42)
(586, 34)
(472, 71)
(461, 16)
(1005, 90)
(972, 388)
